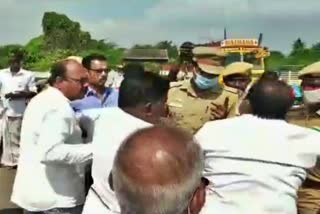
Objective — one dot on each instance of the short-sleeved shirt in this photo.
(191, 111)
(92, 100)
(9, 83)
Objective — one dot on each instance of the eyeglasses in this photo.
(80, 81)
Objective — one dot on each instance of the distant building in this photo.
(146, 55)
(152, 59)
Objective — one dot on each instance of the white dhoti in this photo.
(11, 127)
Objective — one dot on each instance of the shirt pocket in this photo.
(176, 110)
(20, 85)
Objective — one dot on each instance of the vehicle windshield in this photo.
(249, 58)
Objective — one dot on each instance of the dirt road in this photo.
(6, 182)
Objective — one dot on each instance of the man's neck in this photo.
(14, 72)
(100, 90)
(55, 87)
(137, 113)
(283, 118)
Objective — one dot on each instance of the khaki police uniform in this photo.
(190, 110)
(310, 69)
(303, 117)
(309, 193)
(235, 96)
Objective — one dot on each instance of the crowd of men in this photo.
(214, 142)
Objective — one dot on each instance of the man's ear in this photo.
(148, 109)
(198, 200)
(59, 79)
(57, 82)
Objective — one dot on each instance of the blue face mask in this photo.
(205, 83)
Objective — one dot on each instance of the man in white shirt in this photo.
(256, 162)
(16, 87)
(48, 178)
(141, 104)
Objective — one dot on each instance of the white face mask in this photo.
(312, 96)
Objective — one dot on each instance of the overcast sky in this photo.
(128, 22)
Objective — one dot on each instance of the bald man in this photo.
(158, 170)
(52, 149)
(261, 165)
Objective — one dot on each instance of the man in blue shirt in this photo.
(98, 95)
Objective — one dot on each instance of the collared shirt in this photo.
(92, 100)
(105, 148)
(22, 81)
(51, 155)
(189, 110)
(256, 165)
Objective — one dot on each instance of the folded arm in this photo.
(58, 142)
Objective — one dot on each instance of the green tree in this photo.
(170, 47)
(298, 46)
(275, 60)
(62, 33)
(5, 53)
(63, 37)
(316, 46)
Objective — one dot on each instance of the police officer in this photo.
(190, 101)
(235, 78)
(310, 77)
(309, 194)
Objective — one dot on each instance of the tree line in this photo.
(299, 57)
(62, 37)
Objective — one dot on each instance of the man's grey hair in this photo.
(137, 198)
